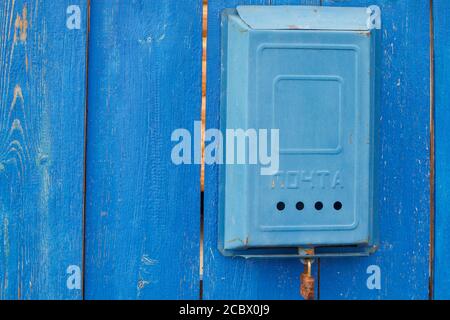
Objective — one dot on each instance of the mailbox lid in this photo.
(317, 85)
(305, 17)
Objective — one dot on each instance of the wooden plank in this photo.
(442, 153)
(225, 277)
(404, 167)
(42, 112)
(143, 212)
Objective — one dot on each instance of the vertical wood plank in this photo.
(143, 212)
(441, 8)
(404, 166)
(42, 112)
(226, 277)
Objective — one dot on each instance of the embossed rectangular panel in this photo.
(317, 87)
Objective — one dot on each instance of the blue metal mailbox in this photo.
(309, 72)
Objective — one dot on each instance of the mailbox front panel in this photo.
(317, 87)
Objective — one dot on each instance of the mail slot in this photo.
(310, 73)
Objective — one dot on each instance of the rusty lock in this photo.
(307, 281)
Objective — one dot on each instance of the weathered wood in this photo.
(42, 112)
(143, 212)
(225, 277)
(403, 168)
(441, 8)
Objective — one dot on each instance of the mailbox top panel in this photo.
(306, 17)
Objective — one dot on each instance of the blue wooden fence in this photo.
(91, 205)
(442, 119)
(142, 211)
(42, 125)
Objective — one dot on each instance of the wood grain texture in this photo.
(404, 166)
(42, 112)
(225, 277)
(441, 8)
(143, 212)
